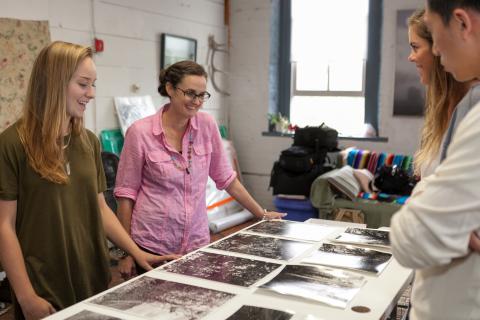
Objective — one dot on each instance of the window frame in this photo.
(326, 93)
(283, 70)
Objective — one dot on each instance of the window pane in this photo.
(329, 40)
(345, 114)
(312, 75)
(346, 75)
(318, 33)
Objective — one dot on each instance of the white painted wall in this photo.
(248, 105)
(131, 32)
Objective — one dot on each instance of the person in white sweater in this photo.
(434, 233)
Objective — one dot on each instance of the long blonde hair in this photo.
(45, 109)
(442, 95)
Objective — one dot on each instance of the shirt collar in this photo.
(194, 122)
(157, 122)
(158, 125)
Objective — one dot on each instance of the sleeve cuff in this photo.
(8, 196)
(125, 193)
(224, 184)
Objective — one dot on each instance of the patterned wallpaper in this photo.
(20, 42)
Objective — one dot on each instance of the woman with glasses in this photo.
(164, 166)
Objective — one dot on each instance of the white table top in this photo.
(379, 293)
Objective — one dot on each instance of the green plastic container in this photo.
(112, 141)
(223, 131)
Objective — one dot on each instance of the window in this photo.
(333, 62)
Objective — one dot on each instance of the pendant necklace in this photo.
(177, 163)
(67, 168)
(67, 163)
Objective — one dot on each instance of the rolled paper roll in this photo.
(229, 221)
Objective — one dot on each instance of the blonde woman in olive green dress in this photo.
(54, 220)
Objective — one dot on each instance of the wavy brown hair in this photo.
(442, 95)
(175, 73)
(45, 109)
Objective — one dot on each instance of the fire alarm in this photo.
(98, 45)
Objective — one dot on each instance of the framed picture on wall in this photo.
(409, 93)
(177, 48)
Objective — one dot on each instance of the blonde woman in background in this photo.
(443, 94)
(53, 217)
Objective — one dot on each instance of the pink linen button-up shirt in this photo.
(169, 214)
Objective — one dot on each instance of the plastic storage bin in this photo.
(298, 210)
(112, 141)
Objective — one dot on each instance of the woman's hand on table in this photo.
(269, 215)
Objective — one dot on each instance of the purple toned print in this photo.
(267, 247)
(222, 268)
(159, 299)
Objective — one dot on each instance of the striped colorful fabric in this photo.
(407, 163)
(364, 161)
(351, 157)
(358, 158)
(372, 162)
(397, 160)
(381, 160)
(389, 159)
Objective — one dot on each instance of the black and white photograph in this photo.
(349, 257)
(333, 287)
(90, 315)
(293, 230)
(267, 247)
(152, 298)
(222, 268)
(258, 313)
(368, 237)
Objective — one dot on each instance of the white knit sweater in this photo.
(431, 232)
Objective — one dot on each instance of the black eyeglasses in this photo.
(190, 94)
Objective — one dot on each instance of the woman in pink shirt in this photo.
(164, 166)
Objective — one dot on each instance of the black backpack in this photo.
(285, 182)
(298, 159)
(321, 137)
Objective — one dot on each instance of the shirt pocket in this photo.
(202, 153)
(201, 167)
(159, 164)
